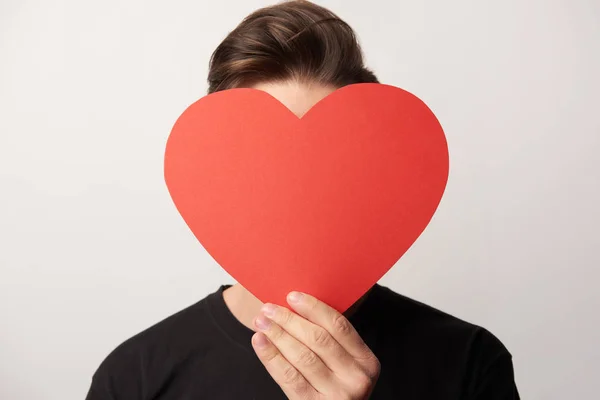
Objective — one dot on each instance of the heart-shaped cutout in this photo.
(325, 204)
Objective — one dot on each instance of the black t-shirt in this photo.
(204, 352)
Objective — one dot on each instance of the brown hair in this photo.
(292, 40)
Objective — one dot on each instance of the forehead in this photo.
(298, 97)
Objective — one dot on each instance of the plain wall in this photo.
(92, 250)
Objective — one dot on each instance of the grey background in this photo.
(92, 250)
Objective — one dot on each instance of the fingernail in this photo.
(295, 297)
(260, 340)
(262, 323)
(268, 310)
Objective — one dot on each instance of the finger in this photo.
(301, 357)
(331, 320)
(316, 338)
(293, 384)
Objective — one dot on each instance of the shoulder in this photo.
(128, 369)
(404, 313)
(408, 315)
(480, 360)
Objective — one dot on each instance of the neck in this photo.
(242, 304)
(245, 306)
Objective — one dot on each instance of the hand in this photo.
(315, 354)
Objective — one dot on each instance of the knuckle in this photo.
(360, 384)
(311, 303)
(307, 358)
(343, 394)
(341, 325)
(320, 337)
(291, 376)
(370, 365)
(269, 357)
(374, 368)
(276, 334)
(285, 316)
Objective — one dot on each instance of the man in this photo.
(231, 346)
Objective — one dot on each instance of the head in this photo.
(296, 51)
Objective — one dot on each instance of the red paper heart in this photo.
(325, 204)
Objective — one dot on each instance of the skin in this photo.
(311, 350)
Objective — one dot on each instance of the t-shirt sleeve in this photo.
(99, 390)
(491, 375)
(119, 376)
